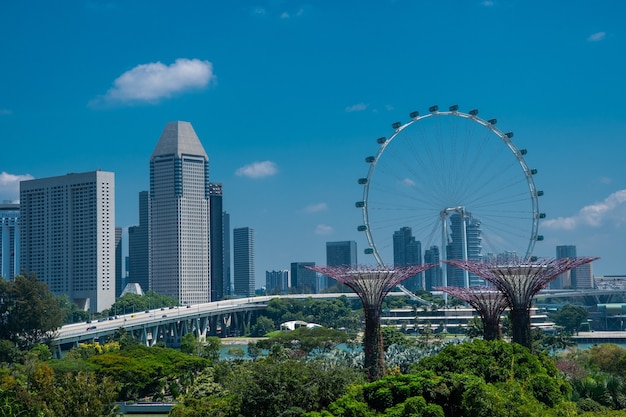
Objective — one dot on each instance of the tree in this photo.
(262, 326)
(305, 341)
(29, 311)
(134, 302)
(570, 317)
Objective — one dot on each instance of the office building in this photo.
(471, 227)
(243, 262)
(584, 276)
(276, 282)
(567, 279)
(67, 237)
(119, 278)
(218, 286)
(228, 290)
(341, 253)
(138, 247)
(9, 240)
(433, 276)
(179, 216)
(408, 251)
(303, 280)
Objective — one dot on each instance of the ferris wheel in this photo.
(455, 182)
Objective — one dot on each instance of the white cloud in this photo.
(5, 112)
(284, 15)
(596, 37)
(356, 107)
(257, 170)
(259, 11)
(487, 3)
(316, 208)
(408, 182)
(322, 229)
(155, 81)
(10, 185)
(612, 208)
(605, 180)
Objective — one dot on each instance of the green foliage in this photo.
(29, 312)
(305, 340)
(494, 361)
(134, 302)
(262, 326)
(146, 372)
(284, 388)
(570, 317)
(336, 313)
(393, 336)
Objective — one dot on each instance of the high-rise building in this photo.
(228, 290)
(276, 282)
(243, 261)
(138, 247)
(433, 276)
(456, 276)
(217, 242)
(408, 251)
(119, 279)
(68, 236)
(179, 216)
(567, 279)
(303, 280)
(9, 240)
(341, 253)
(584, 276)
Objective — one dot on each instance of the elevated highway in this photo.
(221, 318)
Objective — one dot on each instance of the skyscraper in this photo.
(433, 276)
(408, 251)
(568, 279)
(341, 253)
(243, 261)
(217, 241)
(179, 216)
(138, 247)
(227, 282)
(276, 282)
(303, 280)
(119, 279)
(456, 276)
(9, 240)
(68, 236)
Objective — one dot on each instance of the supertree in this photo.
(519, 282)
(372, 284)
(487, 301)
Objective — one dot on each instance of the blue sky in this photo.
(288, 98)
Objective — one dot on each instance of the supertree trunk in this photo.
(520, 323)
(374, 360)
(491, 329)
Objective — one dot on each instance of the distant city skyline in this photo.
(289, 99)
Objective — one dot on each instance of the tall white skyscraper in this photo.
(179, 216)
(68, 235)
(243, 261)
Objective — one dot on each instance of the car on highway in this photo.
(91, 328)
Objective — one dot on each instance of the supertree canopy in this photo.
(519, 282)
(487, 301)
(372, 284)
